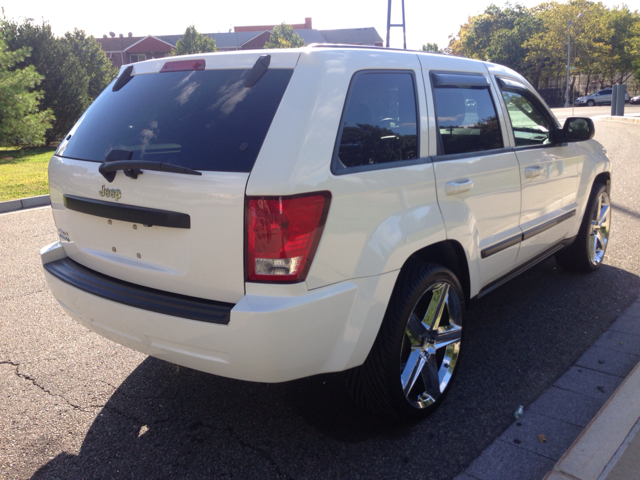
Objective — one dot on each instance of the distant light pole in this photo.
(389, 25)
(566, 95)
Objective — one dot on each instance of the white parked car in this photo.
(270, 215)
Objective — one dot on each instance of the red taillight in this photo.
(183, 66)
(282, 235)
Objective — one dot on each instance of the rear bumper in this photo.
(273, 334)
(83, 278)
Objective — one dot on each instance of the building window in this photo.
(137, 57)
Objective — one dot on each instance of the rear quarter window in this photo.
(379, 125)
(204, 120)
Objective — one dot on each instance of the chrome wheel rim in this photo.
(431, 345)
(600, 225)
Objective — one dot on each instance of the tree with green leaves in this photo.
(21, 121)
(92, 60)
(74, 70)
(431, 47)
(635, 51)
(618, 65)
(605, 43)
(498, 35)
(589, 38)
(284, 37)
(194, 42)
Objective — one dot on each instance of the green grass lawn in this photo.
(23, 172)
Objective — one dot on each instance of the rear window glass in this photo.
(205, 120)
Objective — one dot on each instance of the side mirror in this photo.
(577, 129)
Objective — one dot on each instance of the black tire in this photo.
(591, 103)
(411, 351)
(586, 253)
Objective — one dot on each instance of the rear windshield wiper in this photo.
(132, 169)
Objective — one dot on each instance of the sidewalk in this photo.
(563, 113)
(609, 447)
(632, 117)
(584, 426)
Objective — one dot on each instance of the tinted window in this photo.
(205, 120)
(467, 120)
(605, 92)
(530, 125)
(379, 122)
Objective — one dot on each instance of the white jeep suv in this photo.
(270, 215)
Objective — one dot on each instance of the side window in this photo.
(379, 122)
(530, 125)
(466, 115)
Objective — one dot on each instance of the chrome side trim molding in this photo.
(532, 232)
(547, 225)
(498, 247)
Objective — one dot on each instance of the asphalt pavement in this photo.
(75, 405)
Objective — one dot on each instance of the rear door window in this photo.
(204, 120)
(379, 124)
(465, 113)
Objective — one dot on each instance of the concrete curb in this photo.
(598, 448)
(29, 202)
(609, 118)
(579, 428)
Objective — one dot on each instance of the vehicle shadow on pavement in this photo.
(166, 421)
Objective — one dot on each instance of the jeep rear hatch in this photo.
(150, 224)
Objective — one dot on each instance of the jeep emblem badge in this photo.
(110, 192)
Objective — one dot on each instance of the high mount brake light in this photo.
(183, 66)
(282, 235)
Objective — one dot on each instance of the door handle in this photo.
(458, 186)
(532, 172)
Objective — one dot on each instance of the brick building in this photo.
(123, 50)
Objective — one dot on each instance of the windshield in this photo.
(204, 120)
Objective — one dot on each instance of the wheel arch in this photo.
(449, 254)
(603, 178)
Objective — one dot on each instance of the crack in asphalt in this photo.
(33, 381)
(90, 408)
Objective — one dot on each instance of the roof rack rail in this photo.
(367, 47)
